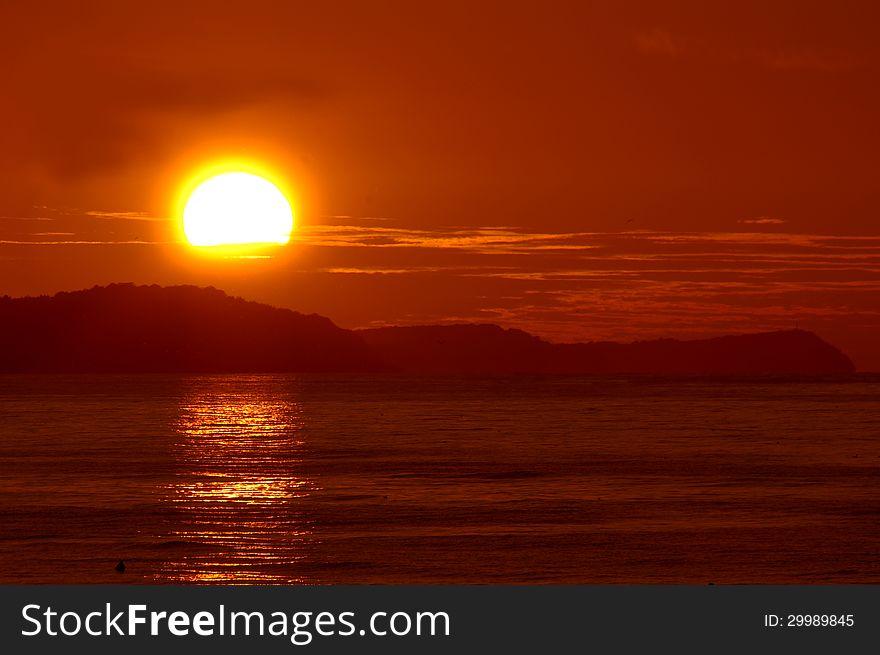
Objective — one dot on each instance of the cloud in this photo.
(617, 285)
(381, 271)
(126, 216)
(358, 218)
(762, 220)
(475, 239)
(75, 242)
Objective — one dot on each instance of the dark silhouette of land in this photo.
(139, 329)
(127, 328)
(489, 348)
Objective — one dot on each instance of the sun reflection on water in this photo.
(238, 491)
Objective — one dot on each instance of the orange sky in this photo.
(622, 171)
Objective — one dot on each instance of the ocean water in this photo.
(326, 480)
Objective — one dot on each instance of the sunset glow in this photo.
(367, 299)
(237, 209)
(632, 174)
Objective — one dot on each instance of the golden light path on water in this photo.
(237, 486)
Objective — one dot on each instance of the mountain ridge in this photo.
(127, 328)
(470, 348)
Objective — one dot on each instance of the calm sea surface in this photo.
(293, 479)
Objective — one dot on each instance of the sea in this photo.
(308, 479)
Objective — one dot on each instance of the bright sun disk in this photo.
(237, 209)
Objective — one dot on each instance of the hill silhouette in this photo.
(139, 329)
(489, 348)
(128, 328)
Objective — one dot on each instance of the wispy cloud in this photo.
(572, 286)
(363, 270)
(25, 218)
(73, 242)
(125, 216)
(477, 239)
(762, 220)
(501, 240)
(358, 218)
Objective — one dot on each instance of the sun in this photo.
(237, 208)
